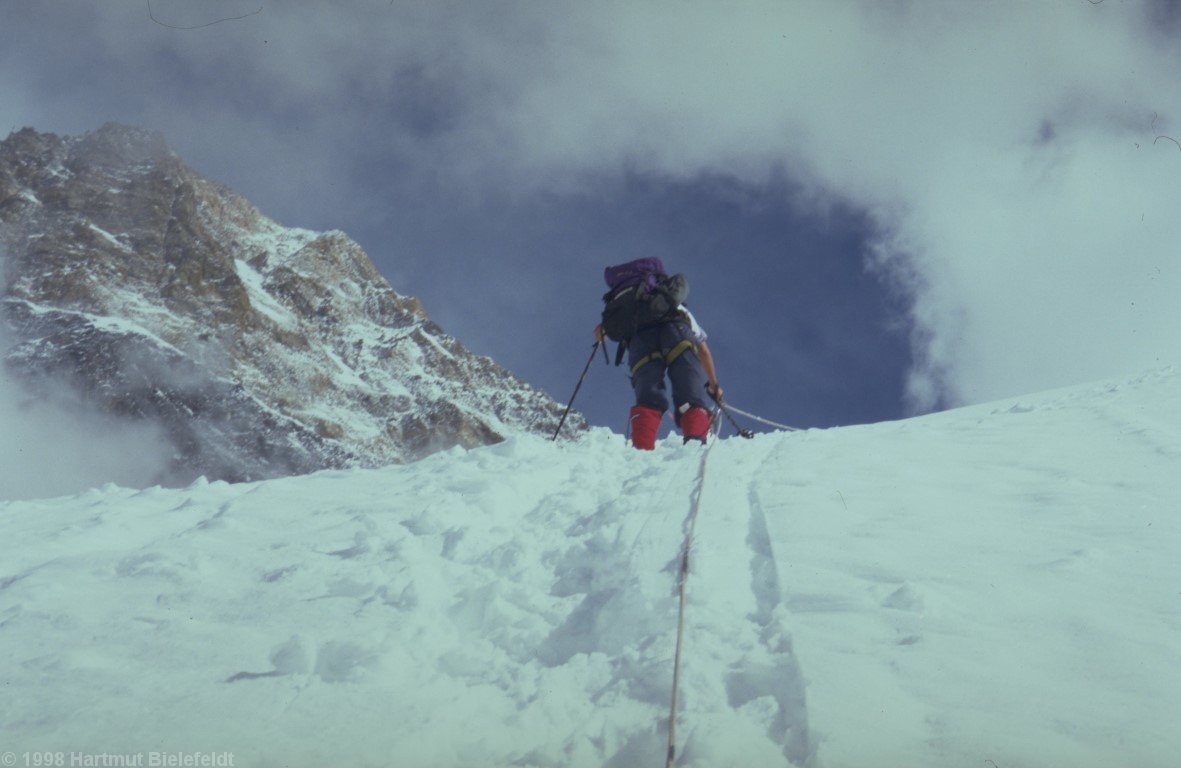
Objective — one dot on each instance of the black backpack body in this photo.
(629, 308)
(641, 295)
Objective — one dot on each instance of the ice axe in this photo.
(742, 431)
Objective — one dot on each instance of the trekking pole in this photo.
(577, 387)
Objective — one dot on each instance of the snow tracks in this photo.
(507, 606)
(745, 695)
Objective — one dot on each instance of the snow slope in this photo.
(997, 585)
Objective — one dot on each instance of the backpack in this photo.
(640, 295)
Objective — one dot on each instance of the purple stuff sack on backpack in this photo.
(646, 271)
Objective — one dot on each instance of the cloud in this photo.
(1007, 154)
(52, 443)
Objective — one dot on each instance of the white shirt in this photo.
(694, 328)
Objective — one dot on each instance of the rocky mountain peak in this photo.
(259, 349)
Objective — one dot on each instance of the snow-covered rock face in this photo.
(261, 350)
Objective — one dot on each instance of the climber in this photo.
(644, 312)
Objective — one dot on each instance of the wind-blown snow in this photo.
(996, 586)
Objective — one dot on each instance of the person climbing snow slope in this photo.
(644, 312)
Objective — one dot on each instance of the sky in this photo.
(883, 208)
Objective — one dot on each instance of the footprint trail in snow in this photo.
(991, 584)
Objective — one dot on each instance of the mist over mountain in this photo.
(136, 292)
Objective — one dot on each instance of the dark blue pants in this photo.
(667, 348)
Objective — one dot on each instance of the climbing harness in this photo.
(682, 578)
(684, 346)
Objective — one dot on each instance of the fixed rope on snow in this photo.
(742, 431)
(686, 548)
(682, 578)
(761, 420)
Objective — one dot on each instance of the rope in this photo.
(715, 429)
(741, 412)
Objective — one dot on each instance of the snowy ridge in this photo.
(124, 265)
(993, 585)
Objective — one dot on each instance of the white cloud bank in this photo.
(1008, 151)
